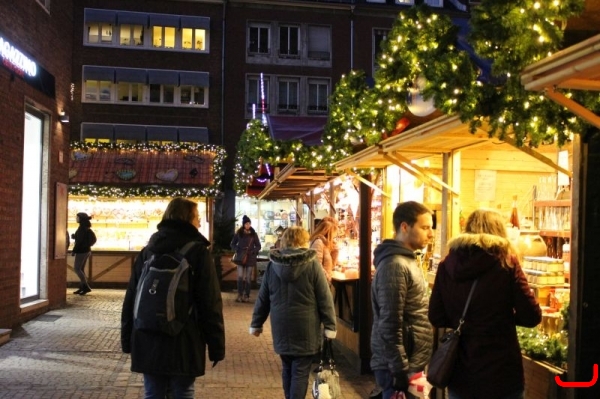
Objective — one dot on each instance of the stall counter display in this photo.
(124, 224)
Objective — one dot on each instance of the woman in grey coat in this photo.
(296, 294)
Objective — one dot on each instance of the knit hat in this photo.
(245, 220)
(83, 216)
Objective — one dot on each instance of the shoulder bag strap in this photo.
(462, 318)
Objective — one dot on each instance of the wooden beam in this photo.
(368, 183)
(573, 106)
(580, 84)
(538, 156)
(421, 173)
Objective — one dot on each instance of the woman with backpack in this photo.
(84, 240)
(246, 244)
(172, 361)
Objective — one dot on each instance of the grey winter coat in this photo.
(401, 337)
(294, 291)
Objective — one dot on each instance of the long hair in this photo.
(327, 228)
(180, 209)
(294, 237)
(483, 221)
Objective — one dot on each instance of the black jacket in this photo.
(184, 354)
(489, 363)
(84, 239)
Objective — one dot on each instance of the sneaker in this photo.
(246, 298)
(238, 299)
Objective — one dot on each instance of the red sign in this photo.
(576, 384)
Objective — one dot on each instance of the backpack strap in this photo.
(184, 250)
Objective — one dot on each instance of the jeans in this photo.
(516, 395)
(180, 387)
(385, 380)
(244, 280)
(294, 374)
(80, 260)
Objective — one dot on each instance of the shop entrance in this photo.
(31, 210)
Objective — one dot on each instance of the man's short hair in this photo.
(408, 212)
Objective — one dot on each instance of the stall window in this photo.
(319, 42)
(258, 39)
(163, 36)
(318, 93)
(289, 41)
(288, 96)
(256, 93)
(131, 35)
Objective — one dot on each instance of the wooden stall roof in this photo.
(293, 182)
(576, 68)
(130, 168)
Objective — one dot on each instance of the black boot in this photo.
(78, 291)
(85, 290)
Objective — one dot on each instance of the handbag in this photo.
(240, 258)
(326, 384)
(443, 360)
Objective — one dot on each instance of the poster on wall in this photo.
(60, 233)
(485, 185)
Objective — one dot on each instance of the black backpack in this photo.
(163, 301)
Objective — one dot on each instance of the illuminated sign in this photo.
(16, 60)
(24, 66)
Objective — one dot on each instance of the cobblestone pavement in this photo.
(75, 352)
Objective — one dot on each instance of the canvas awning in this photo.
(576, 68)
(309, 129)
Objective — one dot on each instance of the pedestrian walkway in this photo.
(75, 352)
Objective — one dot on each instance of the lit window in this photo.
(405, 2)
(258, 39)
(163, 36)
(98, 90)
(289, 39)
(100, 33)
(288, 96)
(318, 95)
(131, 35)
(193, 39)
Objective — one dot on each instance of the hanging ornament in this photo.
(414, 99)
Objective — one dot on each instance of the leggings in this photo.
(80, 260)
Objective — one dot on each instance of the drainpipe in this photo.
(223, 74)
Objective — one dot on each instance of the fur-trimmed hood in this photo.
(472, 255)
(288, 263)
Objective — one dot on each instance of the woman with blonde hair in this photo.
(322, 240)
(294, 293)
(489, 363)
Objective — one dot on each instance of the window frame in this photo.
(318, 83)
(260, 27)
(287, 107)
(289, 53)
(311, 54)
(267, 84)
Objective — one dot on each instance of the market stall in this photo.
(126, 189)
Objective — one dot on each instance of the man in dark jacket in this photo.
(173, 362)
(401, 337)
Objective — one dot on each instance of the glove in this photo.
(400, 381)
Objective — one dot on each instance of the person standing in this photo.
(401, 336)
(84, 238)
(172, 363)
(489, 363)
(245, 240)
(294, 292)
(322, 240)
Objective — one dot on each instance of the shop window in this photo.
(288, 96)
(163, 37)
(258, 39)
(318, 94)
(100, 33)
(379, 35)
(319, 42)
(256, 91)
(193, 39)
(131, 35)
(289, 41)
